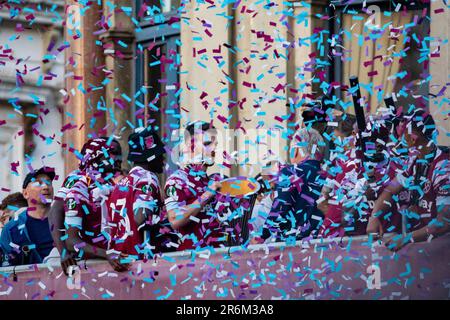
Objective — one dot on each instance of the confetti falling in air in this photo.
(319, 109)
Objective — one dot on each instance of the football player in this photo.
(86, 205)
(190, 191)
(136, 203)
(57, 214)
(426, 183)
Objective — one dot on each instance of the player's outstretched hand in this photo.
(375, 228)
(395, 244)
(211, 191)
(67, 261)
(114, 261)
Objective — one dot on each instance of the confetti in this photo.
(305, 129)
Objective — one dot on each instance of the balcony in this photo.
(320, 269)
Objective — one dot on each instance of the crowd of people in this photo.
(389, 178)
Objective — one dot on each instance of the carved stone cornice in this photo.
(110, 35)
(313, 2)
(112, 38)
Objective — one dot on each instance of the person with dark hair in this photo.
(345, 127)
(343, 143)
(27, 239)
(424, 186)
(57, 214)
(317, 114)
(136, 203)
(10, 205)
(190, 190)
(86, 208)
(358, 183)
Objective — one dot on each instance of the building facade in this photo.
(246, 65)
(31, 76)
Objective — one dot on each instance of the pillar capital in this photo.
(122, 41)
(111, 35)
(312, 2)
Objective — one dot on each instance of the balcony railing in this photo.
(319, 269)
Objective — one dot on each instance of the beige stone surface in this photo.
(205, 87)
(120, 68)
(440, 70)
(87, 55)
(262, 70)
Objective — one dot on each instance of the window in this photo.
(385, 46)
(160, 5)
(12, 149)
(157, 68)
(151, 12)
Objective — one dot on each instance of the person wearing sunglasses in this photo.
(26, 239)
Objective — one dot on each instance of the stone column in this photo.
(275, 62)
(84, 110)
(205, 70)
(440, 69)
(118, 47)
(304, 26)
(260, 82)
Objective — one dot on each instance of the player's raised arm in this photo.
(180, 215)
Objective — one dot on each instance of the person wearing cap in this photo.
(56, 214)
(190, 191)
(86, 208)
(136, 204)
(12, 204)
(27, 238)
(424, 187)
(294, 214)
